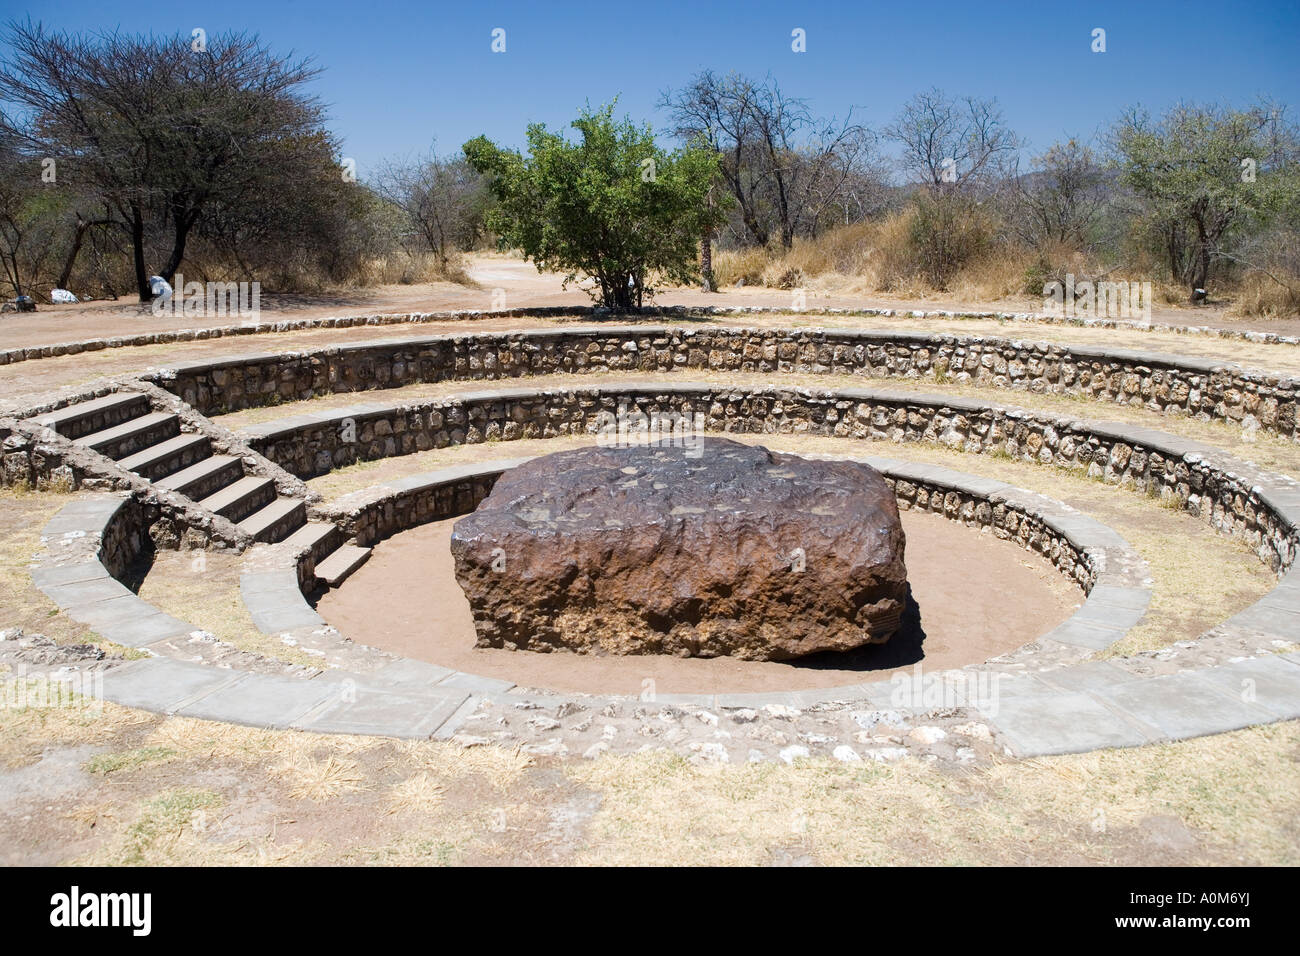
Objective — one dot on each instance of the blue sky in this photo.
(399, 75)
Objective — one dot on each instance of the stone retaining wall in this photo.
(1160, 382)
(1178, 471)
(373, 514)
(29, 462)
(168, 336)
(1004, 519)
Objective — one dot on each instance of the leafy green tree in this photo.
(1203, 171)
(612, 205)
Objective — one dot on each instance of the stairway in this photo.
(124, 427)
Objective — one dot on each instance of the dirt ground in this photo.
(978, 598)
(506, 282)
(107, 785)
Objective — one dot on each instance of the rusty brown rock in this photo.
(740, 552)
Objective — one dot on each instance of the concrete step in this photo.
(121, 441)
(96, 415)
(321, 537)
(205, 478)
(240, 499)
(277, 520)
(158, 461)
(342, 562)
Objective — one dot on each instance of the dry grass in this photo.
(877, 257)
(23, 514)
(880, 257)
(1234, 794)
(223, 795)
(325, 779)
(1261, 295)
(500, 767)
(202, 588)
(26, 731)
(403, 268)
(418, 794)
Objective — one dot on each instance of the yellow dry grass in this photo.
(1234, 791)
(501, 767)
(23, 514)
(418, 794)
(876, 256)
(237, 796)
(202, 588)
(26, 730)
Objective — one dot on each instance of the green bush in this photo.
(949, 230)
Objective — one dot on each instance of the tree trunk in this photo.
(181, 223)
(137, 251)
(1201, 270)
(706, 264)
(618, 294)
(65, 276)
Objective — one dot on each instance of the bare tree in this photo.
(953, 142)
(443, 197)
(156, 127)
(1061, 198)
(783, 165)
(26, 227)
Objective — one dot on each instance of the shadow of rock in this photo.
(903, 649)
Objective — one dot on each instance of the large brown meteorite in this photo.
(739, 551)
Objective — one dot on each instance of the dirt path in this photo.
(500, 281)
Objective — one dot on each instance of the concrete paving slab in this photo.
(161, 685)
(81, 571)
(98, 505)
(1111, 595)
(1268, 682)
(145, 629)
(275, 607)
(1088, 676)
(1062, 722)
(384, 714)
(879, 693)
(755, 700)
(261, 700)
(90, 591)
(706, 701)
(285, 617)
(1107, 615)
(108, 613)
(849, 693)
(407, 671)
(1183, 705)
(89, 523)
(1272, 619)
(473, 682)
(1084, 633)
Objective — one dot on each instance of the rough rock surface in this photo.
(739, 551)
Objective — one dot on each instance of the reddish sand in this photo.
(978, 597)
